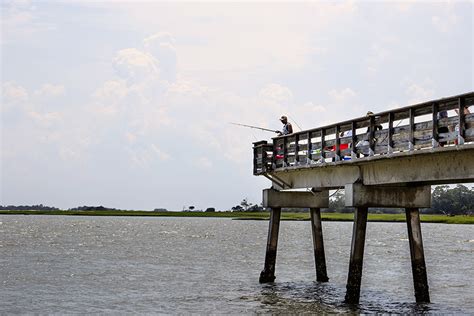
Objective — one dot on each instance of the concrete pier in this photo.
(357, 256)
(420, 281)
(268, 273)
(391, 165)
(318, 245)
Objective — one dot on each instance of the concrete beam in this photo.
(359, 195)
(449, 166)
(273, 198)
(421, 167)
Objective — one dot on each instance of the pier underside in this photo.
(423, 167)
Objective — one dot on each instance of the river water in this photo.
(66, 264)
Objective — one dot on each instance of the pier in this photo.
(388, 159)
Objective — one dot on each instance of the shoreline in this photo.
(285, 216)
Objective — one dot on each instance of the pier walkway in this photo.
(388, 159)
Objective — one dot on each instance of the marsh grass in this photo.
(459, 219)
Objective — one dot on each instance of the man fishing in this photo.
(287, 128)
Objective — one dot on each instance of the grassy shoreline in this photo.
(459, 219)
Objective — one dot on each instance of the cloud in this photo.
(135, 66)
(238, 37)
(276, 93)
(162, 47)
(45, 120)
(343, 95)
(447, 19)
(419, 92)
(50, 90)
(203, 163)
(13, 93)
(20, 21)
(310, 107)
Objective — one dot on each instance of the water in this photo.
(65, 264)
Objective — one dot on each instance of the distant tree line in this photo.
(246, 206)
(455, 201)
(39, 207)
(92, 208)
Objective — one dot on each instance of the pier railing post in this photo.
(357, 255)
(268, 273)
(420, 280)
(318, 245)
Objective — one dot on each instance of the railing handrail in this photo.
(466, 96)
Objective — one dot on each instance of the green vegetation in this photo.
(300, 216)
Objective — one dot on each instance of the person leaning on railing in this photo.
(443, 129)
(362, 143)
(456, 128)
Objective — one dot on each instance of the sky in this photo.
(128, 104)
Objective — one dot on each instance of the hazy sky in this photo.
(128, 105)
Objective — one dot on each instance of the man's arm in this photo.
(290, 128)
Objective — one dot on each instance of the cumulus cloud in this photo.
(162, 47)
(45, 120)
(135, 66)
(311, 107)
(50, 90)
(447, 19)
(13, 93)
(419, 92)
(20, 20)
(276, 93)
(343, 95)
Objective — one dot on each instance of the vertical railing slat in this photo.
(285, 151)
(323, 140)
(371, 135)
(461, 122)
(337, 152)
(309, 149)
(411, 139)
(353, 145)
(391, 117)
(297, 149)
(434, 132)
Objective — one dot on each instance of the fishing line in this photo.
(295, 122)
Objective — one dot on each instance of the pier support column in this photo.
(275, 200)
(420, 280)
(357, 256)
(318, 245)
(268, 273)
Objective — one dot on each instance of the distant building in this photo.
(160, 210)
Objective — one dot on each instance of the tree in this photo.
(210, 209)
(453, 201)
(237, 208)
(245, 204)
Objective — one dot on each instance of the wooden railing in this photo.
(415, 127)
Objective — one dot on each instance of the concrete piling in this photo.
(357, 256)
(268, 273)
(318, 245)
(418, 266)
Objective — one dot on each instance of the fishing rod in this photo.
(256, 127)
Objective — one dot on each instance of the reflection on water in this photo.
(54, 264)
